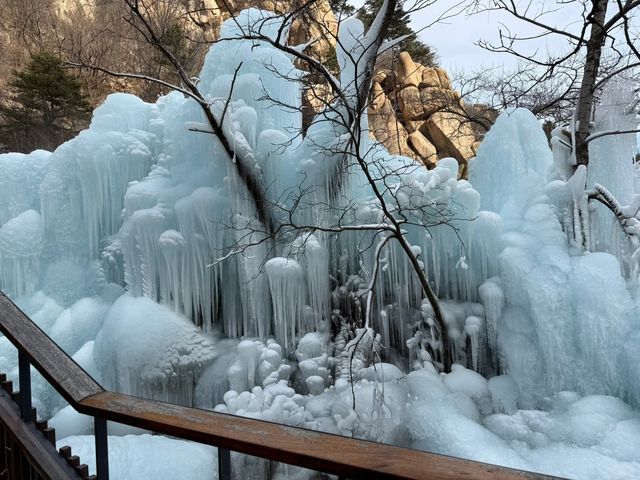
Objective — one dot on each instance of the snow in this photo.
(146, 349)
(149, 456)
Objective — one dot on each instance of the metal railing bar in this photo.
(102, 448)
(224, 464)
(24, 373)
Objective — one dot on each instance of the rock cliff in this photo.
(416, 112)
(413, 111)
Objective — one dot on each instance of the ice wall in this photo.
(147, 199)
(612, 164)
(564, 315)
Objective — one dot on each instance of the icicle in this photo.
(493, 301)
(172, 244)
(287, 296)
(315, 258)
(472, 327)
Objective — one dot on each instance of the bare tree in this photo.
(398, 205)
(601, 43)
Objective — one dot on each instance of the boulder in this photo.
(379, 77)
(445, 82)
(410, 103)
(423, 148)
(436, 99)
(378, 97)
(452, 136)
(430, 78)
(384, 126)
(413, 125)
(408, 73)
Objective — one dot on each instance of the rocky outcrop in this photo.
(316, 22)
(383, 124)
(415, 111)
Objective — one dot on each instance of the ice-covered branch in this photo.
(606, 133)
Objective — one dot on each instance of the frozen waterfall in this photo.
(137, 247)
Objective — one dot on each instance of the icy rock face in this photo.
(456, 258)
(20, 177)
(145, 200)
(81, 195)
(79, 324)
(174, 228)
(146, 349)
(612, 166)
(575, 437)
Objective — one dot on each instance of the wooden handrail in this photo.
(343, 456)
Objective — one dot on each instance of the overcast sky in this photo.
(454, 38)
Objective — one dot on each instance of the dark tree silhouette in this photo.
(44, 106)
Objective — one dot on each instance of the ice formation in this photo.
(137, 247)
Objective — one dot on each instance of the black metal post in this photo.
(24, 368)
(102, 448)
(224, 464)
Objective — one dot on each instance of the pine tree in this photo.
(341, 8)
(44, 106)
(398, 27)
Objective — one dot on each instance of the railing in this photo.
(342, 456)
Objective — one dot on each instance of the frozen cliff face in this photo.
(21, 243)
(144, 199)
(612, 165)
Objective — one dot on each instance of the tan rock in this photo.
(314, 99)
(408, 72)
(410, 103)
(379, 77)
(385, 127)
(435, 99)
(423, 148)
(378, 97)
(452, 136)
(413, 125)
(317, 22)
(445, 82)
(430, 78)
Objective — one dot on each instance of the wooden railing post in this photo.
(224, 464)
(24, 368)
(102, 448)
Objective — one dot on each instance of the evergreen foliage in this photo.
(43, 106)
(342, 8)
(398, 27)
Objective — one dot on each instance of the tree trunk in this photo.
(590, 73)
